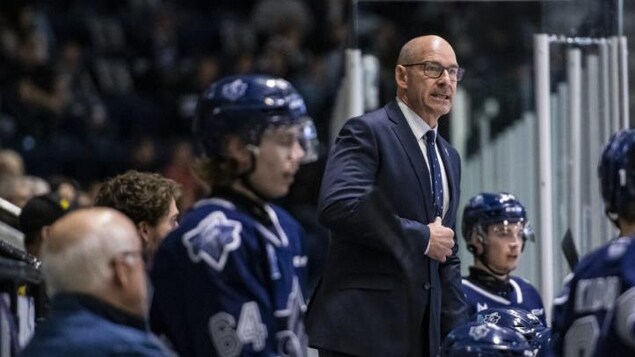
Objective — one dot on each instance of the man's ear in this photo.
(476, 241)
(144, 232)
(237, 150)
(401, 76)
(44, 232)
(121, 275)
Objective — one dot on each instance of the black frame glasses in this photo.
(435, 70)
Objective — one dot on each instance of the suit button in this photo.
(426, 286)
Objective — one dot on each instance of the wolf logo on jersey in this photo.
(213, 239)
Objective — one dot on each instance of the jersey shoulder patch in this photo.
(213, 238)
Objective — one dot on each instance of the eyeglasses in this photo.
(128, 256)
(435, 70)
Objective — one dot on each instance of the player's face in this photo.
(504, 244)
(166, 224)
(277, 161)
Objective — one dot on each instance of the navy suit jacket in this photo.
(377, 284)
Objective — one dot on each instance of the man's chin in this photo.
(440, 109)
(276, 194)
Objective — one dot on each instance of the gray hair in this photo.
(85, 266)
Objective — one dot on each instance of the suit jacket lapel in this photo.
(413, 151)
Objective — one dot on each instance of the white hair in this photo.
(85, 266)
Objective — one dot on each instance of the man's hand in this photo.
(441, 241)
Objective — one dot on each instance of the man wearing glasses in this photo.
(94, 272)
(371, 301)
(495, 228)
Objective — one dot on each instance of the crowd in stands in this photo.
(90, 89)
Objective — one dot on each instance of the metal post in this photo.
(543, 111)
(574, 76)
(614, 60)
(605, 91)
(593, 149)
(625, 121)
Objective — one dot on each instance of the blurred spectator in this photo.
(15, 189)
(179, 170)
(99, 308)
(243, 63)
(282, 57)
(143, 155)
(86, 113)
(66, 187)
(38, 185)
(165, 47)
(38, 84)
(36, 217)
(208, 68)
(87, 197)
(149, 200)
(289, 18)
(11, 163)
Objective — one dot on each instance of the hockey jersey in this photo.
(482, 291)
(593, 315)
(228, 282)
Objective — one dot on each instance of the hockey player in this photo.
(593, 316)
(495, 228)
(228, 280)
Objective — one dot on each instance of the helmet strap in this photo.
(245, 176)
(500, 274)
(483, 257)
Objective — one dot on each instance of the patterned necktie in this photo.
(435, 171)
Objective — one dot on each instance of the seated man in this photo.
(495, 228)
(149, 200)
(94, 272)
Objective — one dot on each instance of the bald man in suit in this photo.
(371, 301)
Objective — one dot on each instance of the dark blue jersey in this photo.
(595, 313)
(227, 283)
(515, 292)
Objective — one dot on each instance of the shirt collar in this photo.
(418, 126)
(100, 308)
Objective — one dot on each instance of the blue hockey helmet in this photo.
(245, 106)
(484, 339)
(617, 173)
(519, 320)
(487, 208)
